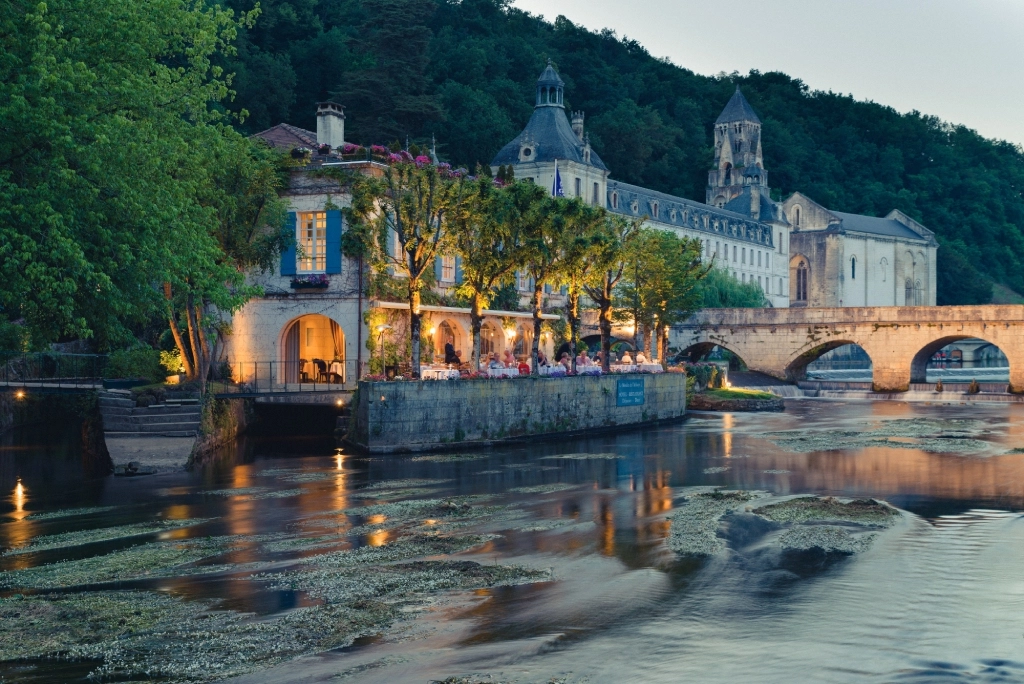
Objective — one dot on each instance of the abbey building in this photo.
(797, 251)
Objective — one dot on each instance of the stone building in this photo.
(749, 238)
(840, 259)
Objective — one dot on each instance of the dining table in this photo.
(435, 373)
(503, 372)
(337, 370)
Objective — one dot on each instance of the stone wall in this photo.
(420, 416)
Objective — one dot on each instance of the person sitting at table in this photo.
(565, 361)
(524, 367)
(583, 360)
(640, 358)
(450, 355)
(542, 361)
(508, 359)
(599, 358)
(493, 362)
(626, 359)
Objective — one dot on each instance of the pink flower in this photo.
(423, 160)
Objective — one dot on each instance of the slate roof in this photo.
(550, 77)
(737, 109)
(770, 209)
(551, 134)
(876, 226)
(687, 213)
(288, 136)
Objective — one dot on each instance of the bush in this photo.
(136, 363)
(171, 361)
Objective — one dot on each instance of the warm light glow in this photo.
(20, 394)
(19, 500)
(376, 519)
(339, 460)
(377, 538)
(430, 522)
(432, 330)
(339, 403)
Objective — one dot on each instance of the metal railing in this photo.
(52, 370)
(286, 377)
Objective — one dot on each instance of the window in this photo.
(767, 260)
(579, 187)
(853, 268)
(734, 253)
(448, 269)
(801, 282)
(780, 286)
(615, 200)
(759, 281)
(654, 209)
(796, 216)
(716, 248)
(743, 277)
(780, 240)
(523, 280)
(597, 194)
(882, 265)
(312, 242)
(743, 255)
(728, 174)
(759, 258)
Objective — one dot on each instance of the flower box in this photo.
(316, 282)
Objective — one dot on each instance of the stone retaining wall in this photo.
(430, 415)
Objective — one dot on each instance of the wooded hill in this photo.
(465, 72)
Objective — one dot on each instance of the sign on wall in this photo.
(629, 392)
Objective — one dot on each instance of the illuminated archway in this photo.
(313, 350)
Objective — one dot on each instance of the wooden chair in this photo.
(321, 370)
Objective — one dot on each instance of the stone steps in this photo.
(176, 418)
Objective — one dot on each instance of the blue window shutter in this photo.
(288, 254)
(547, 289)
(533, 284)
(333, 241)
(458, 270)
(563, 290)
(438, 268)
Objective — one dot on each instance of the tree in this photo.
(542, 220)
(488, 240)
(609, 253)
(109, 109)
(579, 244)
(406, 219)
(720, 289)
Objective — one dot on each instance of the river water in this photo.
(937, 596)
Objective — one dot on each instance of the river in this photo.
(599, 596)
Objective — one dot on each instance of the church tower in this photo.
(738, 161)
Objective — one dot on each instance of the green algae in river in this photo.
(71, 539)
(828, 509)
(585, 456)
(69, 512)
(544, 488)
(449, 458)
(826, 538)
(717, 469)
(938, 436)
(158, 559)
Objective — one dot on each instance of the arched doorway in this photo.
(449, 332)
(492, 339)
(314, 351)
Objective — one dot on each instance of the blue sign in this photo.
(629, 392)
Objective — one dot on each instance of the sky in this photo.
(959, 60)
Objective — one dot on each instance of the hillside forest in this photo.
(464, 72)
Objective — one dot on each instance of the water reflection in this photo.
(603, 503)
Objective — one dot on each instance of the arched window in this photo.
(615, 200)
(908, 293)
(654, 209)
(918, 294)
(883, 266)
(801, 281)
(853, 268)
(780, 240)
(796, 216)
(728, 173)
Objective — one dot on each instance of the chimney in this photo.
(755, 202)
(330, 124)
(577, 124)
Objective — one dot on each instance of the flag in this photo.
(556, 187)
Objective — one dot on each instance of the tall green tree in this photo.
(406, 219)
(610, 253)
(110, 109)
(488, 240)
(580, 241)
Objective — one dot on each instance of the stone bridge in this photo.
(899, 339)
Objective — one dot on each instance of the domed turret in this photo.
(550, 88)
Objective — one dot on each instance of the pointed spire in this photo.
(433, 150)
(738, 109)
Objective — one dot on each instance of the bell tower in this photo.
(738, 160)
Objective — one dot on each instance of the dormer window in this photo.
(654, 209)
(615, 200)
(527, 152)
(634, 206)
(673, 215)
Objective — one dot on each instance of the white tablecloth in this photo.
(557, 369)
(338, 368)
(506, 372)
(633, 368)
(439, 374)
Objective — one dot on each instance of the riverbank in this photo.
(735, 399)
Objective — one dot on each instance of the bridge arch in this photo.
(701, 350)
(797, 368)
(919, 364)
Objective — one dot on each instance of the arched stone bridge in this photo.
(899, 339)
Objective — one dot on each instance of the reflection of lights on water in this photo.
(19, 498)
(376, 519)
(430, 522)
(377, 538)
(727, 424)
(339, 461)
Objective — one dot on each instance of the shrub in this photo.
(136, 363)
(171, 361)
